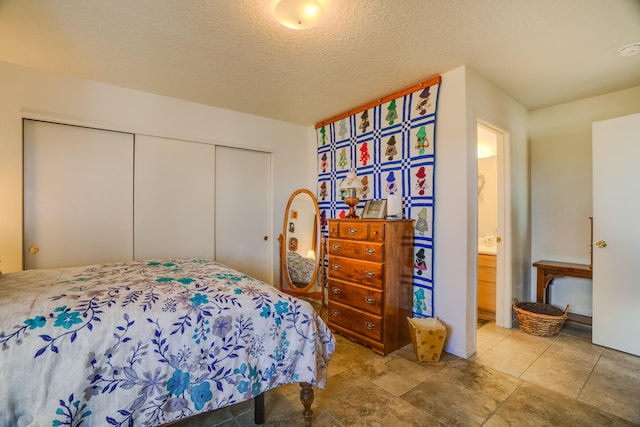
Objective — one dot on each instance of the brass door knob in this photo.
(601, 244)
(34, 250)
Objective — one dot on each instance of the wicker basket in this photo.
(539, 319)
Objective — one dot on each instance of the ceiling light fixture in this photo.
(629, 50)
(298, 14)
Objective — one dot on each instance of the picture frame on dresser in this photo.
(375, 209)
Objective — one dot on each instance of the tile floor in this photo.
(514, 379)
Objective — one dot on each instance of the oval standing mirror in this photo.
(301, 248)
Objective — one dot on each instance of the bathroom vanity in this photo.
(487, 286)
(487, 278)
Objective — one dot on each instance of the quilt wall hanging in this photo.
(390, 145)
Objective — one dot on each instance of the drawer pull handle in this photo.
(335, 290)
(335, 246)
(353, 230)
(370, 251)
(370, 300)
(369, 325)
(370, 273)
(335, 313)
(335, 267)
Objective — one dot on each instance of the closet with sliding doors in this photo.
(94, 196)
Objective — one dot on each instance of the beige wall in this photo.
(450, 212)
(31, 93)
(561, 186)
(465, 97)
(487, 103)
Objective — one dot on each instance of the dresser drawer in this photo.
(485, 260)
(357, 321)
(368, 251)
(354, 270)
(367, 299)
(357, 230)
(486, 296)
(487, 274)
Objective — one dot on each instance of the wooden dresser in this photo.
(370, 281)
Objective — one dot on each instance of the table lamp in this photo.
(350, 186)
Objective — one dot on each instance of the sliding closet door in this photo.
(78, 196)
(174, 198)
(243, 211)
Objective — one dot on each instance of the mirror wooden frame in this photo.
(317, 278)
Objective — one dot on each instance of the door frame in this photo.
(504, 285)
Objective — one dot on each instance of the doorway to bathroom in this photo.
(493, 297)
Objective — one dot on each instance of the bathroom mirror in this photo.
(301, 248)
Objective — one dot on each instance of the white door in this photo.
(243, 211)
(78, 195)
(616, 234)
(174, 199)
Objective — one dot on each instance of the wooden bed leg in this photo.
(258, 409)
(306, 397)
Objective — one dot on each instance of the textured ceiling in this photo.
(233, 54)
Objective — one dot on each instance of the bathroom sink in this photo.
(487, 250)
(487, 246)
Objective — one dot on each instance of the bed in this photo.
(146, 343)
(301, 270)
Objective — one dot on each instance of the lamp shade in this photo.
(351, 181)
(350, 186)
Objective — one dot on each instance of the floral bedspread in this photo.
(145, 343)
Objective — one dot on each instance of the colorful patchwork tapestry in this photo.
(391, 147)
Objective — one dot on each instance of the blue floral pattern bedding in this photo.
(145, 343)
